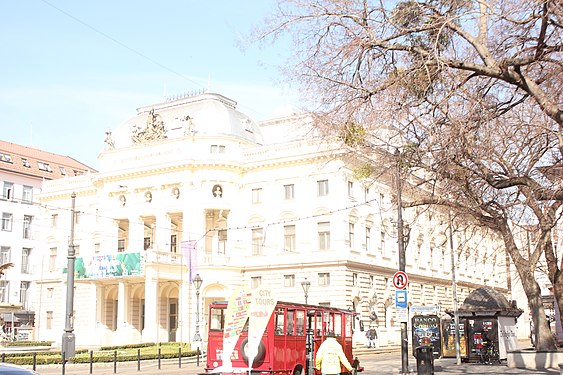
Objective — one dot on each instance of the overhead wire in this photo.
(138, 53)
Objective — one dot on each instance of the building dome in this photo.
(197, 115)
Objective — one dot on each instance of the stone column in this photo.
(136, 234)
(122, 299)
(184, 314)
(150, 333)
(163, 230)
(100, 329)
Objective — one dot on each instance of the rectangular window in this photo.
(354, 279)
(350, 189)
(54, 218)
(62, 170)
(24, 287)
(368, 238)
(8, 191)
(7, 221)
(97, 248)
(288, 281)
(256, 196)
(324, 279)
(27, 195)
(25, 163)
(27, 226)
(50, 292)
(366, 194)
(217, 149)
(146, 243)
(4, 291)
(289, 191)
(52, 259)
(382, 243)
(351, 235)
(173, 243)
(257, 236)
(255, 282)
(5, 157)
(323, 230)
(120, 246)
(26, 253)
(222, 234)
(289, 238)
(322, 188)
(4, 254)
(44, 166)
(49, 320)
(371, 282)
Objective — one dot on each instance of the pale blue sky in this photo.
(72, 69)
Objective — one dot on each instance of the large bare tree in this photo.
(469, 90)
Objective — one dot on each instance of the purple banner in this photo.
(190, 257)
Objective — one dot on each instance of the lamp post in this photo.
(306, 285)
(197, 283)
(454, 292)
(68, 346)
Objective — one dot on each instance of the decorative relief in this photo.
(217, 191)
(189, 127)
(148, 197)
(153, 131)
(175, 192)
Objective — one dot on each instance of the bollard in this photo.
(34, 361)
(159, 358)
(115, 361)
(138, 359)
(91, 361)
(180, 357)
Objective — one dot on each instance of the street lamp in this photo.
(306, 285)
(68, 345)
(197, 283)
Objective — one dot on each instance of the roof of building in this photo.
(38, 163)
(201, 114)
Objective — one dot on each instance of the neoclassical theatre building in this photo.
(192, 186)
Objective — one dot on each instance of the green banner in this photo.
(109, 265)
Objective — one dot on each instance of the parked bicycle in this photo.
(488, 354)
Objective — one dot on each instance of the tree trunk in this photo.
(545, 340)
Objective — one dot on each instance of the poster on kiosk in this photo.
(426, 332)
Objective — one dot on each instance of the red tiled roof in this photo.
(18, 154)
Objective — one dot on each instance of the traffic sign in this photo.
(400, 280)
(401, 305)
(401, 299)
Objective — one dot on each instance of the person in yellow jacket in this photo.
(329, 356)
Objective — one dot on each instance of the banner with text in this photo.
(262, 305)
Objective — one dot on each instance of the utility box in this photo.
(424, 360)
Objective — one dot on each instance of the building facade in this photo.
(22, 171)
(193, 186)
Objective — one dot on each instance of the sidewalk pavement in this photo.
(171, 367)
